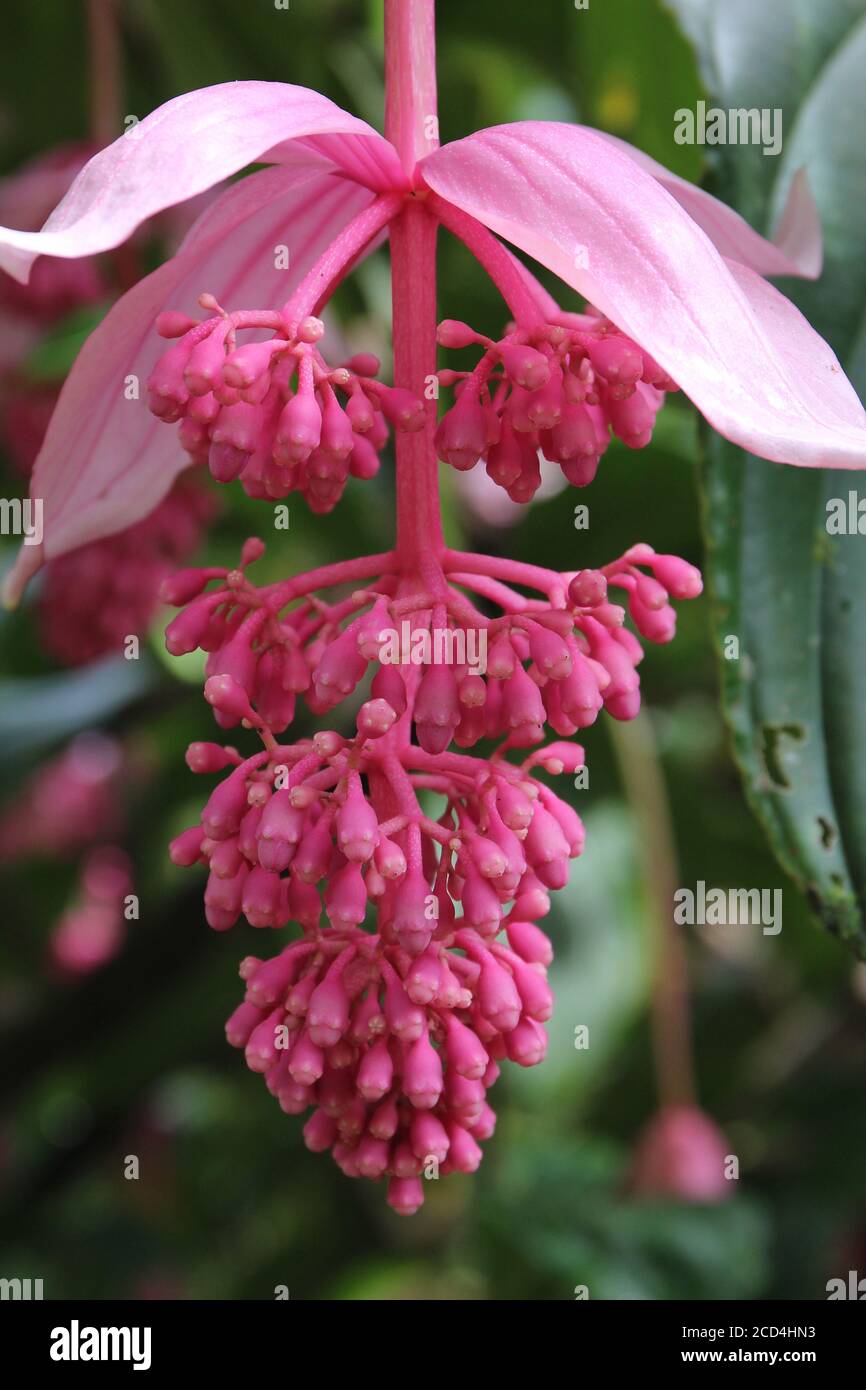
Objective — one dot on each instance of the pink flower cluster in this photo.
(392, 1034)
(556, 660)
(559, 387)
(392, 1013)
(395, 1052)
(96, 596)
(239, 414)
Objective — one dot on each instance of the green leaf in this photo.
(786, 589)
(40, 710)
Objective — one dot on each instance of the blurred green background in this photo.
(130, 1058)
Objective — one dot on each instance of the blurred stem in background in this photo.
(105, 76)
(643, 778)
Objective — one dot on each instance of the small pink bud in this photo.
(587, 589)
(428, 1137)
(405, 1195)
(464, 1049)
(461, 436)
(376, 1072)
(525, 365)
(346, 897)
(261, 898)
(403, 409)
(328, 1012)
(527, 1043)
(375, 718)
(337, 438)
(616, 359)
(185, 849)
(320, 1131)
(411, 925)
(229, 699)
(184, 585)
(404, 1018)
(437, 708)
(424, 977)
(225, 806)
(240, 1024)
(203, 370)
(498, 997)
(356, 825)
(246, 364)
(464, 1155)
(451, 333)
(307, 1061)
(299, 429)
(422, 1074)
(208, 757)
(372, 1156)
(681, 579)
(173, 324)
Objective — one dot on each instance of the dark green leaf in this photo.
(789, 591)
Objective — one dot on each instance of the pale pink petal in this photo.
(565, 196)
(797, 247)
(106, 461)
(186, 146)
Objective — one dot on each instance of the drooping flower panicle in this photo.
(392, 1013)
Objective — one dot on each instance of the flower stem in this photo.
(410, 79)
(491, 255)
(413, 288)
(320, 281)
(105, 78)
(410, 116)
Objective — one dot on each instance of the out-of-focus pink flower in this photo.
(682, 1154)
(96, 596)
(92, 931)
(103, 592)
(55, 288)
(26, 198)
(69, 802)
(25, 417)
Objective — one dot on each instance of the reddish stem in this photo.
(500, 265)
(410, 116)
(411, 121)
(326, 577)
(343, 250)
